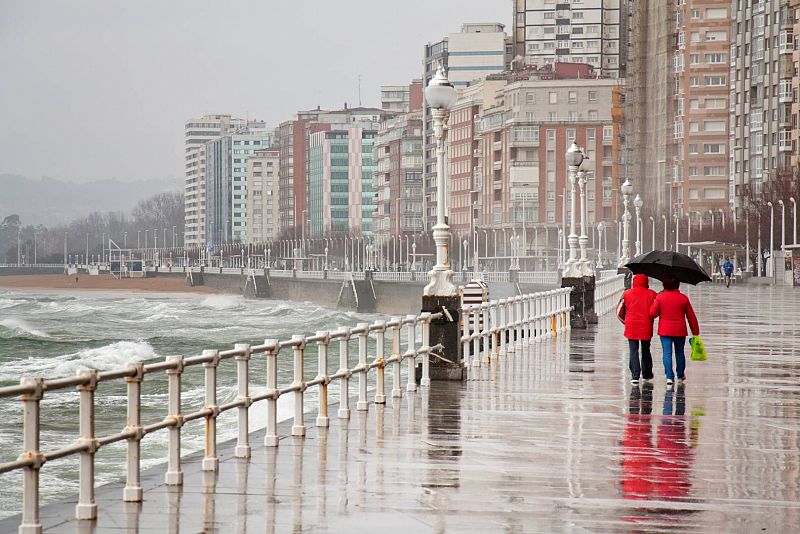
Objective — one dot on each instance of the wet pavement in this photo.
(550, 439)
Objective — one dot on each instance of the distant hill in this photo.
(51, 202)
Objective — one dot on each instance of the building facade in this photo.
(589, 31)
(226, 182)
(262, 195)
(197, 132)
(701, 66)
(341, 197)
(397, 180)
(761, 72)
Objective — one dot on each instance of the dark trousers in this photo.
(646, 367)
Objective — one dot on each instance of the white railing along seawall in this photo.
(607, 292)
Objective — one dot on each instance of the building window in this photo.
(553, 97)
(592, 96)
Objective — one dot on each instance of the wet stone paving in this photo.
(552, 438)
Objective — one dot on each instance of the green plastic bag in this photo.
(698, 349)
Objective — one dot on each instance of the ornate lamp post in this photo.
(583, 240)
(638, 203)
(574, 158)
(771, 240)
(627, 190)
(794, 219)
(783, 225)
(440, 96)
(600, 248)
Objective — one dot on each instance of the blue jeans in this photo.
(646, 367)
(667, 343)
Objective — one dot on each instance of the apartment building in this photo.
(701, 67)
(523, 142)
(397, 180)
(262, 195)
(341, 197)
(402, 98)
(582, 31)
(197, 132)
(293, 144)
(761, 73)
(226, 182)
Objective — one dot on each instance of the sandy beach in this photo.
(102, 283)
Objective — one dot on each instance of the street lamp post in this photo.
(771, 240)
(783, 225)
(574, 158)
(627, 190)
(794, 219)
(600, 248)
(583, 240)
(664, 218)
(653, 233)
(637, 204)
(440, 96)
(688, 233)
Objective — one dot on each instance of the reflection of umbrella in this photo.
(659, 263)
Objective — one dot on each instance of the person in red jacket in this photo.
(673, 310)
(635, 311)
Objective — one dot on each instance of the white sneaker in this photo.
(634, 382)
(669, 381)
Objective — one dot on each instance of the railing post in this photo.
(565, 298)
(362, 404)
(87, 507)
(465, 340)
(380, 348)
(511, 317)
(397, 391)
(174, 475)
(322, 373)
(299, 427)
(476, 333)
(494, 319)
(211, 460)
(411, 353)
(483, 311)
(425, 380)
(242, 449)
(271, 434)
(31, 523)
(501, 325)
(344, 370)
(133, 484)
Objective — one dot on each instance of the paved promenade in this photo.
(552, 439)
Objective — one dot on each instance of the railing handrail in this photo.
(32, 390)
(606, 293)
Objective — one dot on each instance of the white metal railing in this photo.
(31, 391)
(281, 273)
(315, 275)
(339, 275)
(500, 326)
(607, 273)
(495, 277)
(231, 270)
(549, 278)
(607, 292)
(391, 276)
(32, 265)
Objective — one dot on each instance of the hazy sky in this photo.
(100, 89)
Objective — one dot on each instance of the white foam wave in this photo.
(107, 357)
(21, 327)
(222, 302)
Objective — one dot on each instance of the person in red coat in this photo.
(673, 310)
(635, 311)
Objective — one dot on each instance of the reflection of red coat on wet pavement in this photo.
(671, 470)
(638, 458)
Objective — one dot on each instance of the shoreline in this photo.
(105, 283)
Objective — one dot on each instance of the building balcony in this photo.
(497, 165)
(524, 163)
(497, 146)
(521, 142)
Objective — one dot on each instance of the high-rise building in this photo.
(398, 176)
(589, 31)
(402, 98)
(262, 195)
(341, 198)
(700, 67)
(477, 51)
(293, 137)
(761, 88)
(198, 131)
(226, 182)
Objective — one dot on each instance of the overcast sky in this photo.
(100, 89)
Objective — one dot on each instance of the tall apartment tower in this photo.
(197, 132)
(558, 31)
(761, 87)
(262, 196)
(700, 66)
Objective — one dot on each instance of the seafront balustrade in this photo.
(492, 328)
(607, 292)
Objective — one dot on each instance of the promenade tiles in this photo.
(550, 439)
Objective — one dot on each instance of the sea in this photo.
(53, 335)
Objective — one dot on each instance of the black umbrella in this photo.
(660, 263)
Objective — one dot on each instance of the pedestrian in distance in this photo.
(635, 312)
(673, 309)
(728, 268)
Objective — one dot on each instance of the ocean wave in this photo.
(19, 328)
(112, 356)
(223, 302)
